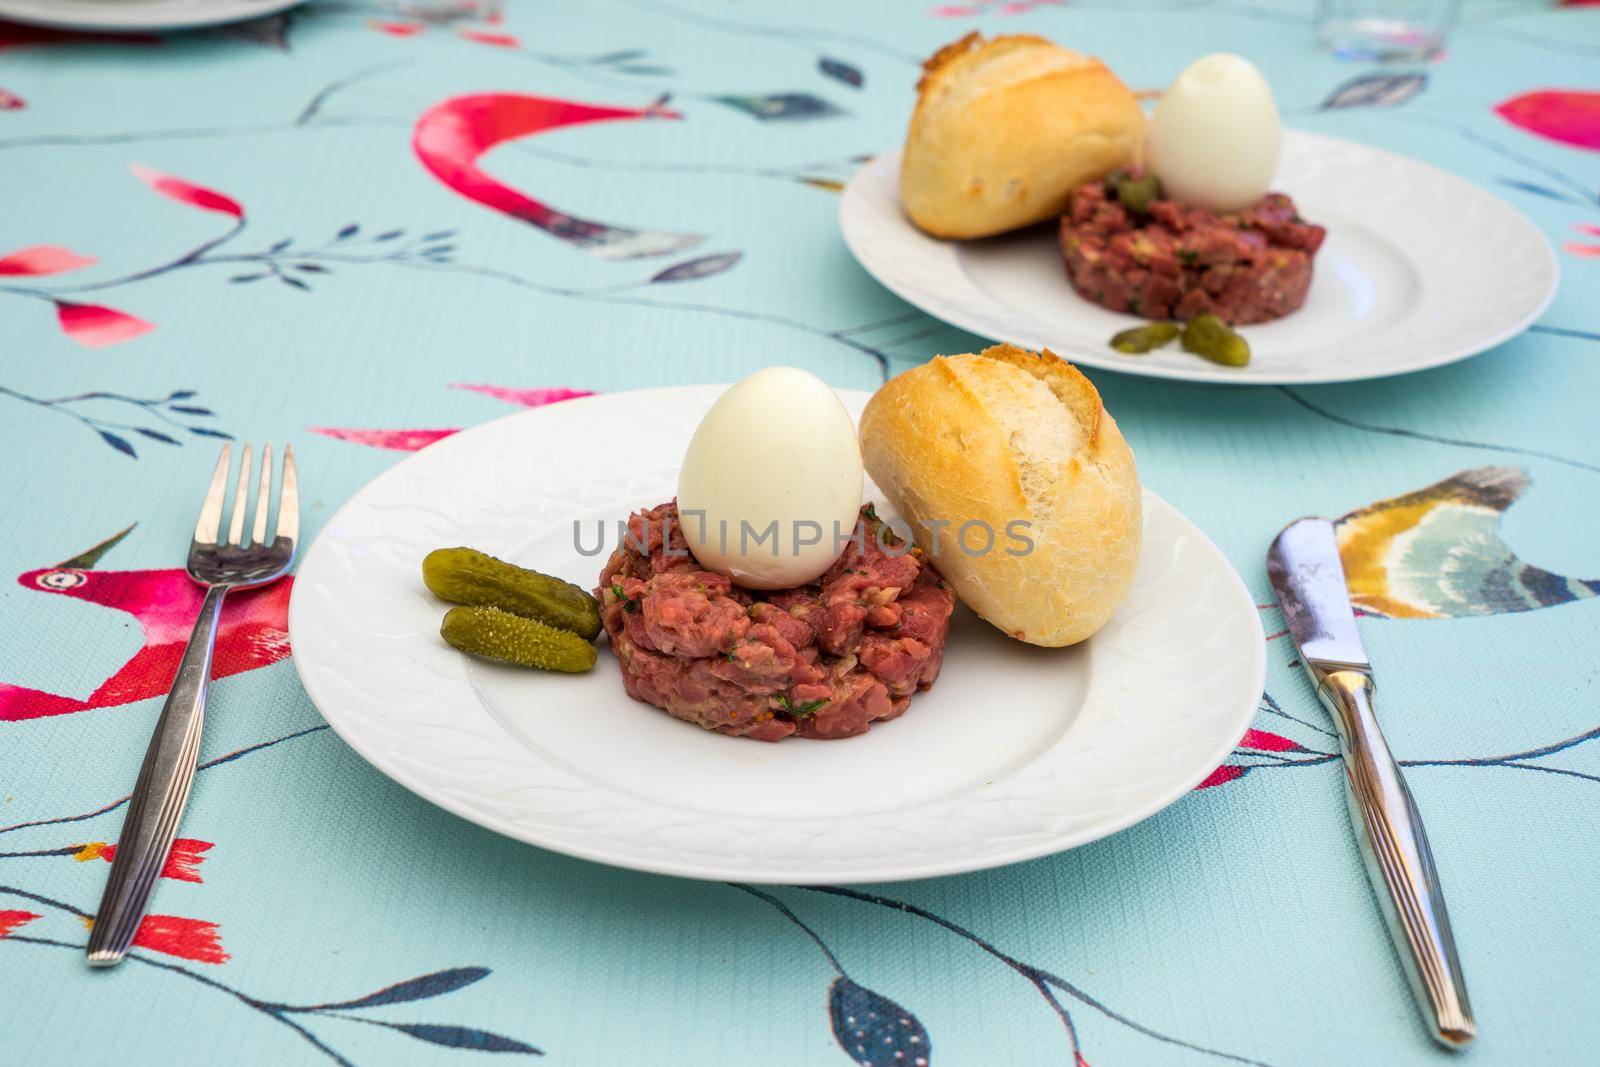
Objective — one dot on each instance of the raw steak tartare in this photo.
(1175, 261)
(825, 660)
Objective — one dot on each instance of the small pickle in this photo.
(1142, 339)
(1207, 335)
(490, 633)
(467, 576)
(1137, 194)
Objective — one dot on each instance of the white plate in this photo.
(1016, 751)
(133, 16)
(1420, 268)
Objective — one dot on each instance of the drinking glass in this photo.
(1385, 29)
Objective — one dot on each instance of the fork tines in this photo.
(209, 528)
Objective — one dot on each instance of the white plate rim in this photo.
(1251, 684)
(857, 217)
(120, 16)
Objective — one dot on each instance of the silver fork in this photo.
(163, 786)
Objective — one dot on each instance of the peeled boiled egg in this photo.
(1213, 141)
(773, 470)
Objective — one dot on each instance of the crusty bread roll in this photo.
(1010, 435)
(1005, 128)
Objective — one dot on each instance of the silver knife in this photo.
(1308, 577)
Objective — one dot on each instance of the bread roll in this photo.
(1002, 436)
(1005, 128)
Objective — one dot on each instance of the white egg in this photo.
(773, 470)
(1213, 141)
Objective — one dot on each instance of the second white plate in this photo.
(132, 16)
(1420, 268)
(1016, 751)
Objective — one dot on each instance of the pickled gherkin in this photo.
(1141, 339)
(490, 633)
(467, 576)
(1207, 335)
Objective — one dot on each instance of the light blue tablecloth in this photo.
(271, 259)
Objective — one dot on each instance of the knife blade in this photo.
(1308, 576)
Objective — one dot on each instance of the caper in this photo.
(490, 633)
(1137, 194)
(1207, 335)
(1141, 339)
(467, 576)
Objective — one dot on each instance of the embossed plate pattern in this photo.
(1420, 268)
(1016, 752)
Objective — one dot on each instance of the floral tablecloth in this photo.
(282, 229)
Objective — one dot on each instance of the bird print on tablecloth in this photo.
(450, 138)
(253, 633)
(1436, 553)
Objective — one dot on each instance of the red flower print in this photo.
(1262, 741)
(1222, 775)
(399, 440)
(173, 935)
(396, 29)
(1016, 7)
(187, 192)
(93, 326)
(190, 939)
(528, 398)
(1586, 251)
(10, 101)
(498, 40)
(1569, 116)
(183, 860)
(43, 259)
(10, 920)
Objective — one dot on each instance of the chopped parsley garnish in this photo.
(798, 711)
(628, 603)
(1188, 257)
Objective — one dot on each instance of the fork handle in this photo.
(159, 795)
(1399, 861)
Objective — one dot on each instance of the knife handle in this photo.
(1398, 860)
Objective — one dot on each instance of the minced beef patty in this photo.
(1176, 261)
(825, 660)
